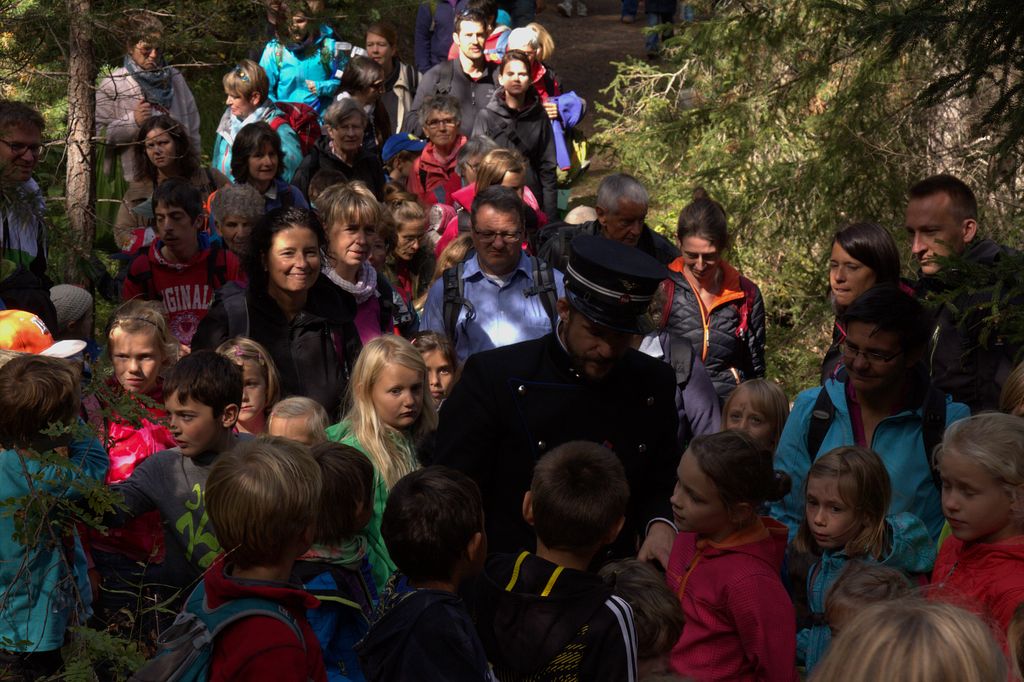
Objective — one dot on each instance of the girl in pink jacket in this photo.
(726, 562)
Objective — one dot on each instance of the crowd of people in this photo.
(371, 408)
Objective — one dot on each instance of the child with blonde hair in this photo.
(760, 408)
(981, 567)
(726, 562)
(301, 419)
(261, 386)
(389, 411)
(913, 641)
(846, 496)
(128, 413)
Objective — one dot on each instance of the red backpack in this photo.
(304, 121)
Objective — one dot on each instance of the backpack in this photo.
(186, 648)
(440, 194)
(445, 76)
(304, 121)
(216, 270)
(932, 428)
(454, 297)
(232, 295)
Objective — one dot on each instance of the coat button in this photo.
(650, 401)
(521, 390)
(641, 448)
(542, 446)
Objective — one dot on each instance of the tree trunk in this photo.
(80, 188)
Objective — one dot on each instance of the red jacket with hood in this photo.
(986, 578)
(740, 623)
(262, 647)
(442, 179)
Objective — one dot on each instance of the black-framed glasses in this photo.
(442, 123)
(850, 352)
(19, 148)
(488, 236)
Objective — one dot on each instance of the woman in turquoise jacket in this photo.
(246, 88)
(301, 65)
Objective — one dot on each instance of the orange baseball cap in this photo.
(25, 333)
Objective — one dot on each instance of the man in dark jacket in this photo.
(435, 22)
(470, 78)
(582, 382)
(941, 220)
(621, 210)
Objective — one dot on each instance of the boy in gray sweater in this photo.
(202, 394)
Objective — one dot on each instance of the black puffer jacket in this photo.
(972, 372)
(730, 339)
(554, 239)
(528, 131)
(367, 168)
(314, 352)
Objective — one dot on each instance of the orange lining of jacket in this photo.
(731, 291)
(757, 531)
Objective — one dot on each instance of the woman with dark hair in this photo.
(862, 255)
(303, 320)
(363, 81)
(400, 79)
(256, 159)
(341, 150)
(163, 150)
(718, 310)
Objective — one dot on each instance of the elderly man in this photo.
(23, 281)
(583, 381)
(621, 210)
(942, 220)
(500, 295)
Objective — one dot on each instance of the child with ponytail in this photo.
(726, 562)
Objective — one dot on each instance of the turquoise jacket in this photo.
(40, 593)
(380, 561)
(229, 127)
(897, 440)
(288, 72)
(911, 550)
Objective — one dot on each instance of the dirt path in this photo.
(585, 48)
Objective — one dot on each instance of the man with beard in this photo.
(583, 381)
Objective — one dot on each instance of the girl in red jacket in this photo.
(981, 567)
(725, 564)
(139, 346)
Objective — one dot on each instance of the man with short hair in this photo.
(23, 281)
(500, 295)
(584, 381)
(470, 78)
(942, 220)
(880, 398)
(621, 211)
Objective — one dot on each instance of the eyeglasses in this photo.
(442, 123)
(851, 352)
(19, 149)
(488, 237)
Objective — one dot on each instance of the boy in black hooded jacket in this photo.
(543, 616)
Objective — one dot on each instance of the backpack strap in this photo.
(821, 418)
(745, 307)
(237, 308)
(217, 619)
(669, 288)
(217, 266)
(445, 76)
(143, 279)
(279, 54)
(463, 220)
(454, 300)
(933, 426)
(544, 286)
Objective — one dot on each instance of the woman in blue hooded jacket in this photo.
(300, 62)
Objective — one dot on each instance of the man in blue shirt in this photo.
(500, 295)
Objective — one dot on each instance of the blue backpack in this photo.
(186, 648)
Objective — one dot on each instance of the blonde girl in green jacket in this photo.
(389, 411)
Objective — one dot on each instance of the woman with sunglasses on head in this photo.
(246, 88)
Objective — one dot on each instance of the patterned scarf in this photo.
(157, 85)
(365, 285)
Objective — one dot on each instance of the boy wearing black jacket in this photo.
(543, 616)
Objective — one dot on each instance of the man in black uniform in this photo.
(581, 382)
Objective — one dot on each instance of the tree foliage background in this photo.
(803, 116)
